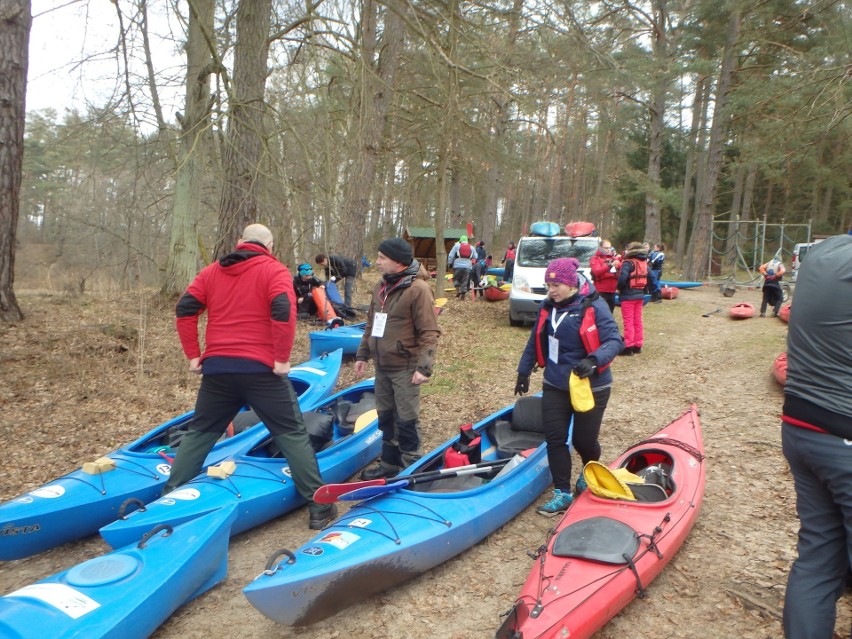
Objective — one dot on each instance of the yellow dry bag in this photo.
(581, 393)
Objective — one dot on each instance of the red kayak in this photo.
(605, 552)
(579, 229)
(784, 313)
(743, 310)
(495, 294)
(779, 368)
(669, 292)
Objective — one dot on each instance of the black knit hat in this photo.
(398, 250)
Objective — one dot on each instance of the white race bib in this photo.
(553, 349)
(379, 321)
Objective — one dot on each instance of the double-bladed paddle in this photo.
(357, 490)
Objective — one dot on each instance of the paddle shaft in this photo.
(404, 482)
(329, 493)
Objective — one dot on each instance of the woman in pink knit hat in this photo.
(557, 345)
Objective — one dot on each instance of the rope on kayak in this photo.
(394, 536)
(231, 487)
(670, 442)
(102, 489)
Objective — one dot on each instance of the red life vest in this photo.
(464, 250)
(466, 450)
(639, 274)
(510, 254)
(588, 331)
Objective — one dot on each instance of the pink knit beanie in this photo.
(563, 271)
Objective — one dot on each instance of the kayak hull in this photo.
(579, 595)
(680, 284)
(261, 487)
(386, 540)
(495, 294)
(125, 594)
(779, 368)
(669, 292)
(743, 310)
(346, 338)
(79, 503)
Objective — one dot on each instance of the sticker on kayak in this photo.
(49, 492)
(313, 551)
(164, 469)
(340, 539)
(374, 436)
(185, 494)
(309, 369)
(286, 471)
(26, 499)
(64, 598)
(361, 522)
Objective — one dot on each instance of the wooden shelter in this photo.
(422, 240)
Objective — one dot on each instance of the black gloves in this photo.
(522, 385)
(585, 368)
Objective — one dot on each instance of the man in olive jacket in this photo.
(401, 338)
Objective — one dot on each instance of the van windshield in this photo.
(538, 251)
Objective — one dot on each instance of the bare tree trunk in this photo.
(183, 243)
(377, 94)
(244, 141)
(696, 138)
(657, 124)
(696, 265)
(15, 22)
(499, 119)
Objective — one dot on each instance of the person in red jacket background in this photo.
(605, 264)
(251, 324)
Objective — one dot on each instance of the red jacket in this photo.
(601, 264)
(250, 304)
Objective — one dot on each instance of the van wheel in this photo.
(785, 292)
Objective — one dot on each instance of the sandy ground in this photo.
(81, 376)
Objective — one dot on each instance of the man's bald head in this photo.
(258, 233)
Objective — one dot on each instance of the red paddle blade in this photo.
(372, 491)
(330, 493)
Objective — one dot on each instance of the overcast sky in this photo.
(64, 34)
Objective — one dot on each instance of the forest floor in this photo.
(81, 376)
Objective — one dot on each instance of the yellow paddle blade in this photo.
(505, 287)
(449, 290)
(366, 419)
(448, 276)
(441, 300)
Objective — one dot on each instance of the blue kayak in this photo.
(680, 284)
(79, 503)
(412, 527)
(260, 486)
(499, 271)
(346, 338)
(125, 594)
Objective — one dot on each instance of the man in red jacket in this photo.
(251, 323)
(605, 265)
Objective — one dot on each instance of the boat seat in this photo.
(367, 403)
(600, 539)
(320, 427)
(525, 431)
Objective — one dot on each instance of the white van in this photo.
(799, 252)
(532, 255)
